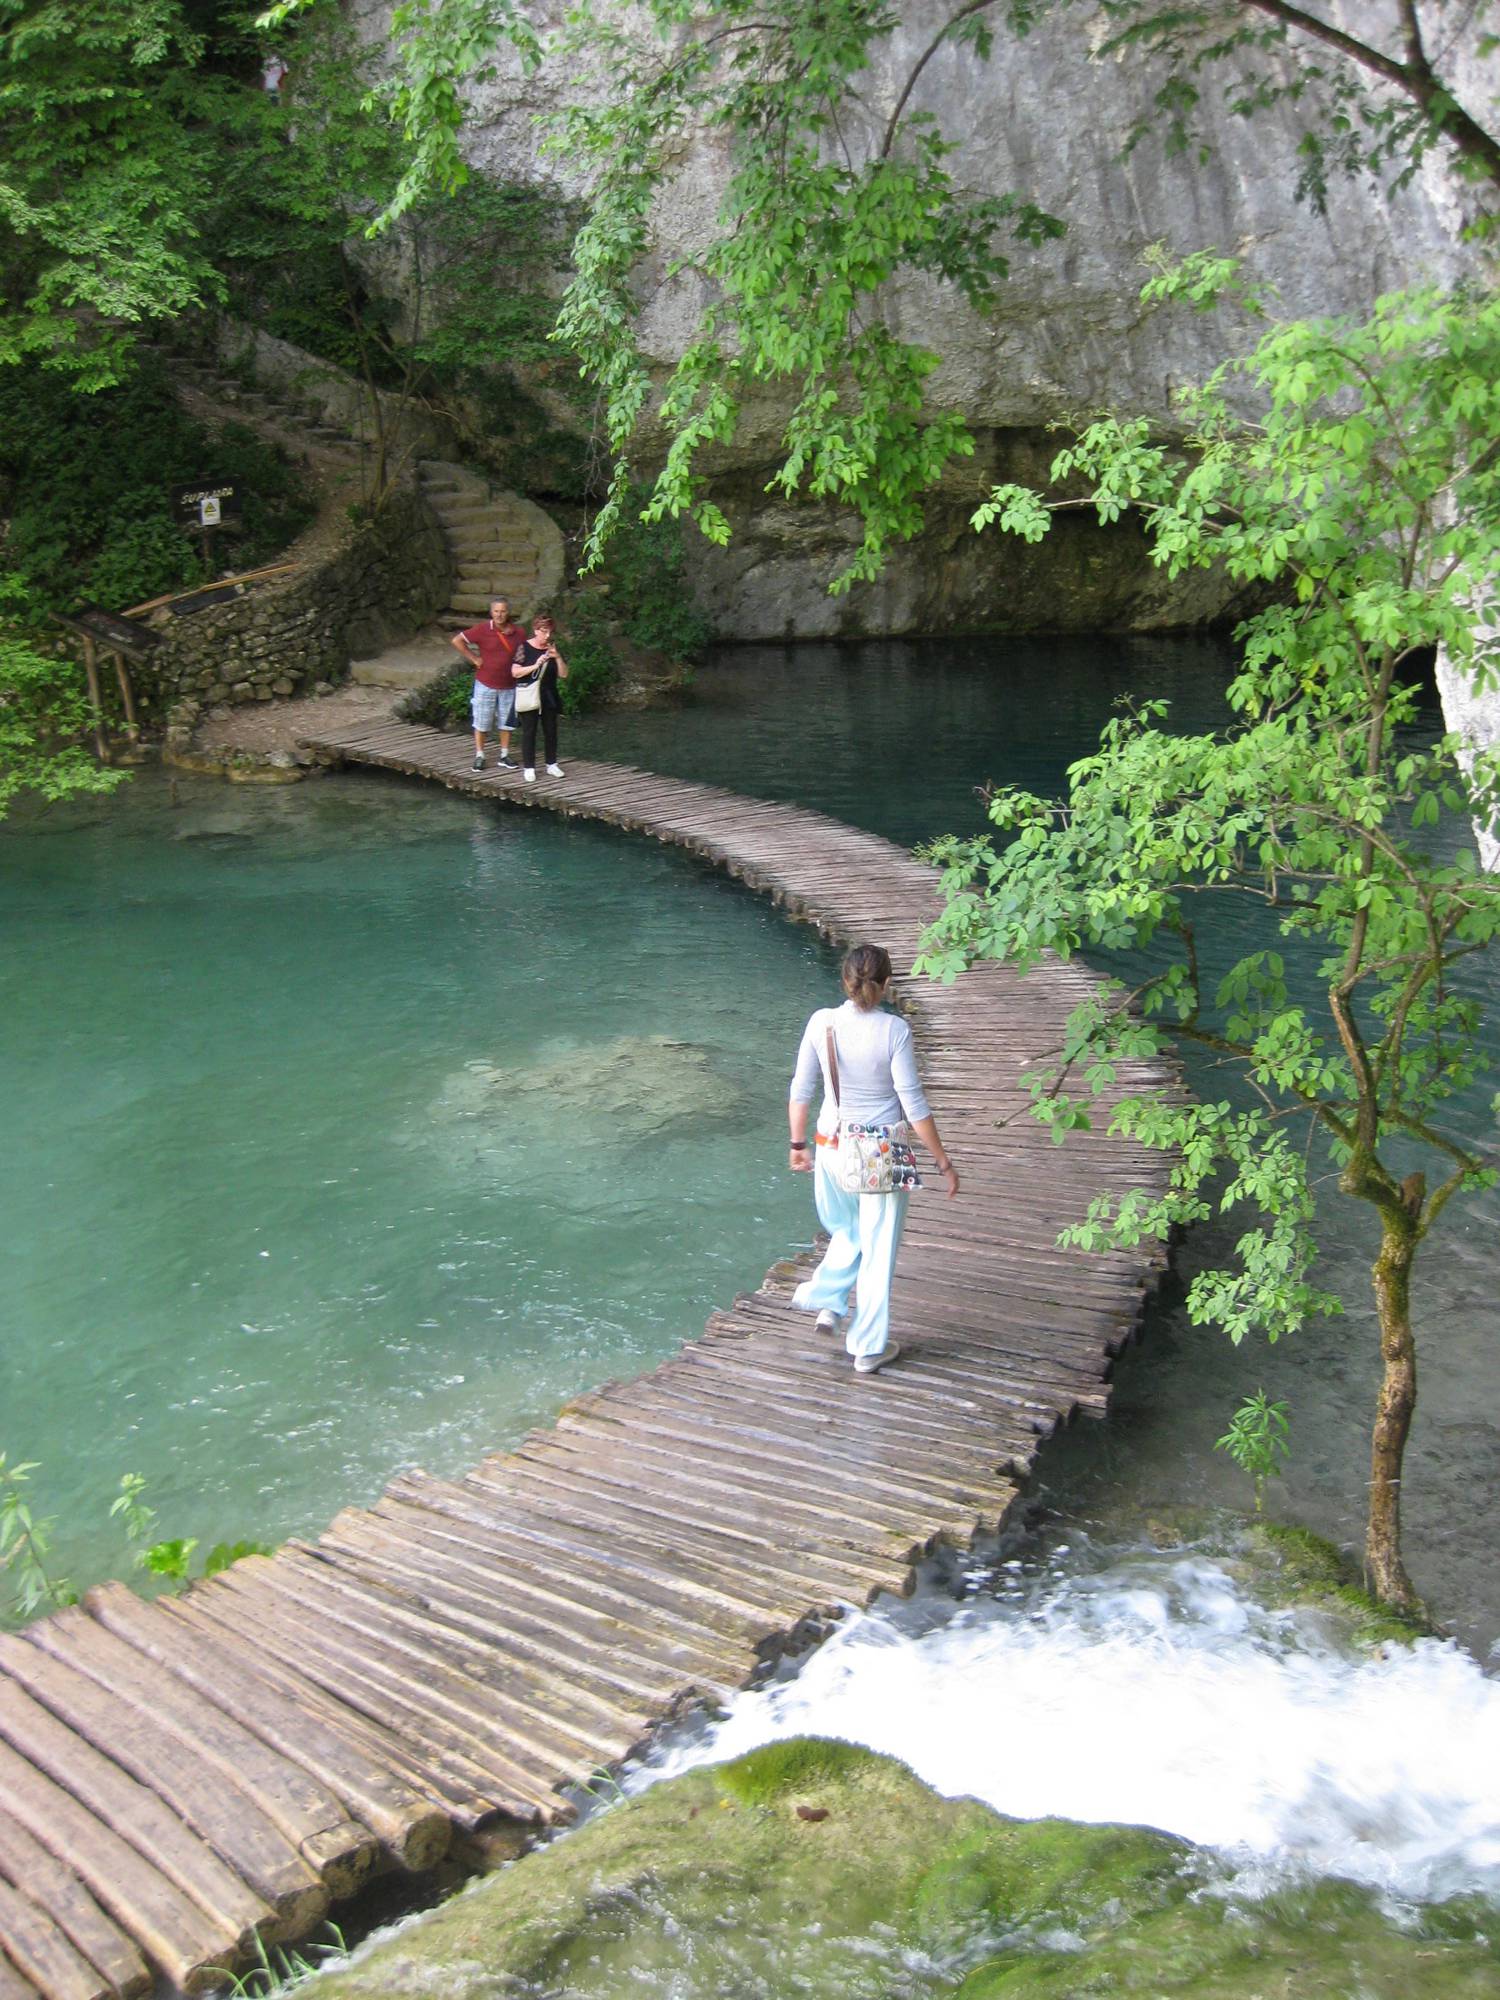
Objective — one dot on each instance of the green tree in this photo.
(828, 209)
(431, 316)
(1379, 88)
(1367, 499)
(44, 718)
(116, 120)
(821, 218)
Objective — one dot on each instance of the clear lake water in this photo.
(350, 1125)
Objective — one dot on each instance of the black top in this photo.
(527, 655)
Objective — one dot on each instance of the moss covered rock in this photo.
(815, 1868)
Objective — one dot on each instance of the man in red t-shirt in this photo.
(489, 649)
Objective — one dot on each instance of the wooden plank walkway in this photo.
(180, 1777)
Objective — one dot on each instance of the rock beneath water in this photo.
(819, 1869)
(239, 767)
(629, 1087)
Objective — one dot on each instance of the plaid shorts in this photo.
(494, 708)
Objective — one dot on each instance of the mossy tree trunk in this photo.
(1400, 1233)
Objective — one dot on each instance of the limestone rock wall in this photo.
(1067, 334)
(390, 576)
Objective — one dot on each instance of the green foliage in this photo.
(148, 175)
(170, 1559)
(25, 1543)
(86, 484)
(811, 236)
(512, 433)
(590, 656)
(115, 125)
(174, 1559)
(1367, 498)
(1375, 97)
(130, 1510)
(772, 1773)
(1257, 1440)
(453, 308)
(443, 701)
(222, 1554)
(648, 587)
(280, 1970)
(44, 716)
(826, 210)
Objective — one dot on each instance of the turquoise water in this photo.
(269, 1236)
(349, 1125)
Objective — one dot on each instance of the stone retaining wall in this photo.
(391, 576)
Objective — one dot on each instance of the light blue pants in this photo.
(861, 1258)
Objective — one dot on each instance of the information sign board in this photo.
(206, 503)
(109, 630)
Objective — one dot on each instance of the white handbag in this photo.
(870, 1159)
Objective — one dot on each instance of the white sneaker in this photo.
(827, 1320)
(866, 1364)
(555, 771)
(529, 776)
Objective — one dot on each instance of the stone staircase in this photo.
(262, 408)
(402, 669)
(501, 544)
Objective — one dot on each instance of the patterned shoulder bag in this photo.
(870, 1160)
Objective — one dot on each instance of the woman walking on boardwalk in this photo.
(539, 665)
(869, 1072)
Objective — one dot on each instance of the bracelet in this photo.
(945, 1166)
(799, 1145)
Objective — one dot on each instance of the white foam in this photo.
(1156, 1693)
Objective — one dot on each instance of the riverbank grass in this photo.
(1306, 1569)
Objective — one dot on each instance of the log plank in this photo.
(32, 1871)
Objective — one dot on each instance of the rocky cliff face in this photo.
(1067, 335)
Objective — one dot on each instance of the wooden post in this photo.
(122, 674)
(96, 706)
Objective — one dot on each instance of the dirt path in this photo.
(261, 728)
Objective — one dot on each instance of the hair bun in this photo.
(866, 970)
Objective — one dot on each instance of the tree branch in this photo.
(973, 7)
(1415, 77)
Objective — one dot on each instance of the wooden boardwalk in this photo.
(177, 1777)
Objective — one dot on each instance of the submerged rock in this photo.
(816, 1868)
(628, 1087)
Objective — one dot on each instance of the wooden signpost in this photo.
(206, 504)
(123, 639)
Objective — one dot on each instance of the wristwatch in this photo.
(799, 1145)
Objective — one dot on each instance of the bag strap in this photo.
(833, 1069)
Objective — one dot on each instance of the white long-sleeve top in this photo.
(878, 1081)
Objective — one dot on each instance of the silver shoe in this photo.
(867, 1364)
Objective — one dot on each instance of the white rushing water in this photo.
(1154, 1691)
